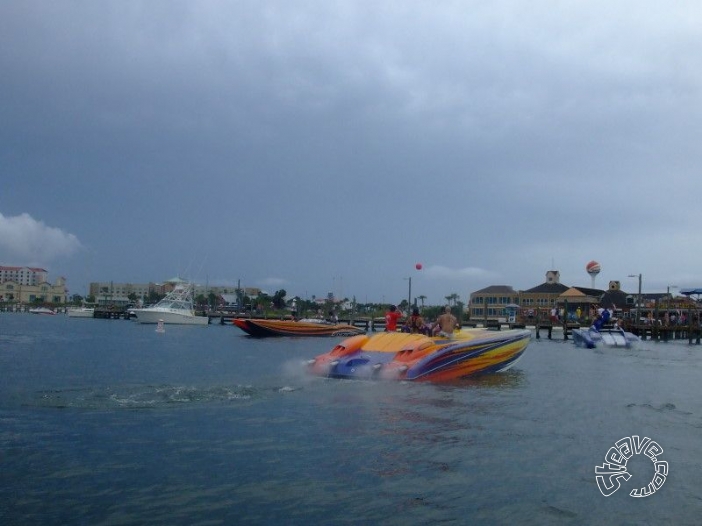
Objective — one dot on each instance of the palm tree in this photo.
(453, 297)
(422, 298)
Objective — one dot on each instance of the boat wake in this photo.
(151, 396)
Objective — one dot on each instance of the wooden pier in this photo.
(663, 333)
(659, 333)
(567, 329)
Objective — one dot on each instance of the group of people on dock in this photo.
(444, 325)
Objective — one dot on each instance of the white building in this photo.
(30, 285)
(30, 276)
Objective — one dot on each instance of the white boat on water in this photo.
(592, 338)
(42, 310)
(176, 307)
(80, 312)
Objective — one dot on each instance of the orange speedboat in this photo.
(262, 328)
(401, 356)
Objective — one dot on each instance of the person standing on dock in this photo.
(391, 318)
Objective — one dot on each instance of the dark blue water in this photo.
(109, 422)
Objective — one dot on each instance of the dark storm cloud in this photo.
(298, 141)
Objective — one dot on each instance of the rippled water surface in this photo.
(109, 422)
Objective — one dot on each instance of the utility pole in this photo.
(638, 299)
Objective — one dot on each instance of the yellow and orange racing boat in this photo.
(415, 357)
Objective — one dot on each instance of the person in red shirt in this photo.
(391, 318)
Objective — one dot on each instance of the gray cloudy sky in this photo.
(328, 146)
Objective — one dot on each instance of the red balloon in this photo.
(418, 266)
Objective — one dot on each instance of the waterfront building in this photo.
(109, 292)
(29, 276)
(537, 302)
(119, 293)
(218, 290)
(577, 301)
(544, 296)
(491, 302)
(28, 291)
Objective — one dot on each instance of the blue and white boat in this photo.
(592, 338)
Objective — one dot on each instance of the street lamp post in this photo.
(638, 300)
(418, 266)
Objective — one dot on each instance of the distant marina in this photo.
(547, 308)
(541, 324)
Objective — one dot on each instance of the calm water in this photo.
(109, 422)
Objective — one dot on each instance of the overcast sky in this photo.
(329, 146)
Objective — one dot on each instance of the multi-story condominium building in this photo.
(121, 293)
(23, 275)
(30, 285)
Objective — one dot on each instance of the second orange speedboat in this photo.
(262, 328)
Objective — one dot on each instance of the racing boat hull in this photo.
(264, 328)
(591, 338)
(415, 357)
